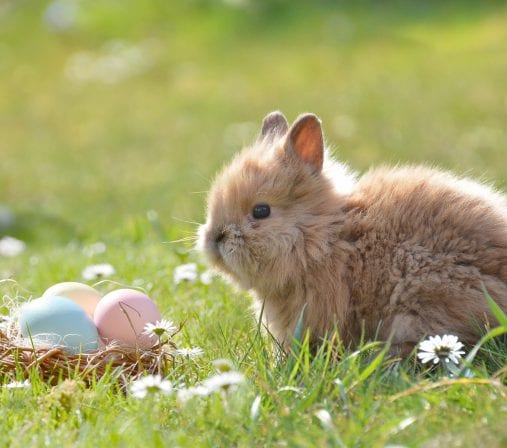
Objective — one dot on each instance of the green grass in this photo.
(394, 82)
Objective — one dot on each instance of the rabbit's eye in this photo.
(261, 211)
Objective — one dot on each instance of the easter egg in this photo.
(58, 321)
(121, 316)
(84, 295)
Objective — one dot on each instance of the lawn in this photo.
(114, 118)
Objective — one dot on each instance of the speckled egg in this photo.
(84, 295)
(121, 316)
(58, 321)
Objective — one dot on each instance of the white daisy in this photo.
(185, 272)
(159, 328)
(10, 247)
(189, 352)
(96, 271)
(206, 277)
(151, 384)
(224, 381)
(185, 395)
(440, 348)
(223, 365)
(18, 385)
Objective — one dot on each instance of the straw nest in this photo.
(53, 364)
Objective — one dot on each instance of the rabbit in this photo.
(397, 254)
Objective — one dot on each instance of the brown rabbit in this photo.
(399, 253)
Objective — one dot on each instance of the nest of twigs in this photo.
(53, 364)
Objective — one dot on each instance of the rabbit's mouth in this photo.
(215, 243)
(225, 249)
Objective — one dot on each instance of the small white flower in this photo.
(18, 385)
(151, 384)
(189, 352)
(185, 395)
(159, 328)
(223, 365)
(185, 272)
(206, 277)
(10, 247)
(96, 271)
(440, 348)
(224, 381)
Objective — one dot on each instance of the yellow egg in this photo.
(85, 296)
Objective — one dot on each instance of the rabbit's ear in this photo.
(306, 140)
(274, 125)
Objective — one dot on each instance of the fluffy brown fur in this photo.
(400, 253)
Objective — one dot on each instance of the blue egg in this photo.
(59, 322)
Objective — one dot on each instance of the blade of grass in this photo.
(495, 309)
(473, 353)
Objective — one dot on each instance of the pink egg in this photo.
(121, 315)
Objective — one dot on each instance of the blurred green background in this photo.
(112, 108)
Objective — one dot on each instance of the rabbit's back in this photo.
(425, 243)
